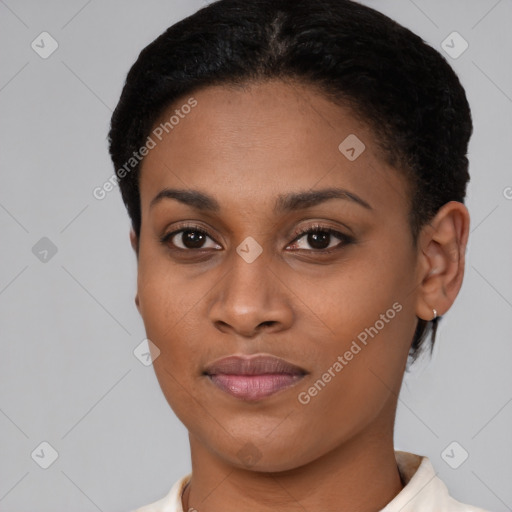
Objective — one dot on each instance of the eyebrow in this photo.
(284, 203)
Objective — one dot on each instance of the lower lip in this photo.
(254, 387)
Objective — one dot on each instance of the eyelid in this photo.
(317, 227)
(297, 235)
(185, 227)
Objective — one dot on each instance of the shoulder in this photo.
(171, 502)
(456, 506)
(424, 491)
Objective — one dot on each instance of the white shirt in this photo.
(424, 491)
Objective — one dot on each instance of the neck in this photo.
(360, 474)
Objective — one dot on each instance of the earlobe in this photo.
(443, 246)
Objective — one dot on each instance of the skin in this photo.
(244, 147)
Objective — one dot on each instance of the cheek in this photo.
(354, 381)
(370, 315)
(161, 304)
(166, 311)
(352, 296)
(169, 307)
(161, 298)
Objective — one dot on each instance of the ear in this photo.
(442, 258)
(134, 242)
(135, 246)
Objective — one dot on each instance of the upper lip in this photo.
(252, 365)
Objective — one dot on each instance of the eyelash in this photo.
(344, 239)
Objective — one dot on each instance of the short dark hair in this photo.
(400, 86)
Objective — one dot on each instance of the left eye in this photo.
(320, 239)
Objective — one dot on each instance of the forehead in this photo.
(263, 140)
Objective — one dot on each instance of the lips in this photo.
(253, 365)
(253, 378)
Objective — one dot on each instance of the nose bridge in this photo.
(250, 277)
(251, 259)
(250, 294)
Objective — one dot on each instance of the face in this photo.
(244, 272)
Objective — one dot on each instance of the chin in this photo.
(261, 456)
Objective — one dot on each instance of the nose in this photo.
(251, 298)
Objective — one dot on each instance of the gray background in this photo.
(69, 324)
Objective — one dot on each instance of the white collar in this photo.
(424, 491)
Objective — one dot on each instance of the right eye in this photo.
(187, 239)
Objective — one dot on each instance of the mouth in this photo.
(253, 378)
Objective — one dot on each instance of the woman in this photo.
(295, 174)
